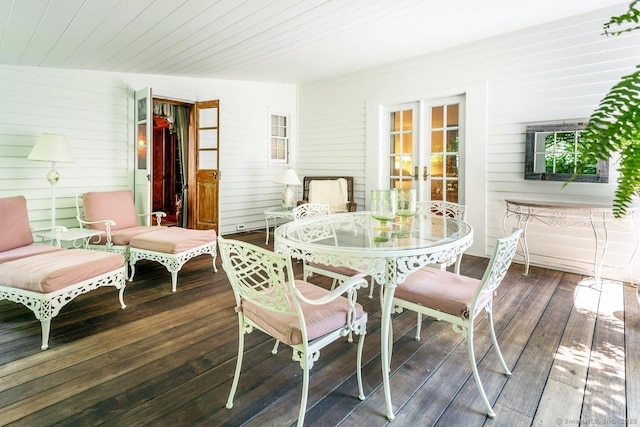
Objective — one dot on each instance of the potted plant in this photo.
(614, 127)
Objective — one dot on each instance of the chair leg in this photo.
(305, 388)
(457, 265)
(359, 367)
(45, 324)
(174, 281)
(275, 347)
(507, 372)
(236, 375)
(476, 376)
(418, 326)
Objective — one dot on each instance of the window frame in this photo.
(602, 166)
(274, 161)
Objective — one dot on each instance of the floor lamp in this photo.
(53, 148)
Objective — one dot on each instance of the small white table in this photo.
(73, 235)
(275, 213)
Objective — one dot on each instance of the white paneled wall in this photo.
(556, 71)
(95, 110)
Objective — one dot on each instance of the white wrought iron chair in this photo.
(300, 314)
(338, 274)
(459, 299)
(447, 209)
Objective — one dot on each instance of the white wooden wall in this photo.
(95, 110)
(555, 71)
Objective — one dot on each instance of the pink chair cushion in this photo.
(320, 319)
(25, 251)
(172, 240)
(114, 205)
(49, 272)
(15, 230)
(441, 290)
(123, 237)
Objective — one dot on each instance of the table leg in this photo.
(385, 333)
(266, 220)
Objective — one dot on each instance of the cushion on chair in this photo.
(14, 223)
(441, 290)
(320, 319)
(49, 272)
(172, 240)
(25, 251)
(123, 237)
(330, 192)
(117, 206)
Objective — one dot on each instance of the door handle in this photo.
(425, 173)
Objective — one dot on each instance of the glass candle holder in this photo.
(383, 210)
(405, 211)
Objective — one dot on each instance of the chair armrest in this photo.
(352, 206)
(356, 282)
(302, 202)
(158, 214)
(58, 229)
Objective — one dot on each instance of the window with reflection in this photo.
(553, 153)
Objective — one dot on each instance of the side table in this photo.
(275, 213)
(73, 235)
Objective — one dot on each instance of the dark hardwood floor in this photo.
(168, 359)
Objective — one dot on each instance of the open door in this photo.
(144, 149)
(207, 156)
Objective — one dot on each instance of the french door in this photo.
(425, 148)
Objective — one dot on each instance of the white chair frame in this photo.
(266, 280)
(494, 274)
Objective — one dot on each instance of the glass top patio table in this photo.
(389, 255)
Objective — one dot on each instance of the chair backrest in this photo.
(310, 210)
(499, 263)
(442, 208)
(117, 206)
(15, 230)
(336, 191)
(259, 276)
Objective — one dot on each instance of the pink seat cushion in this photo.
(114, 205)
(320, 319)
(49, 272)
(124, 236)
(14, 223)
(173, 240)
(25, 251)
(441, 290)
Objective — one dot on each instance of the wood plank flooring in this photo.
(168, 359)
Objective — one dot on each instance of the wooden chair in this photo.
(302, 315)
(460, 299)
(329, 190)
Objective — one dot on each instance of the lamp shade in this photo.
(51, 147)
(288, 177)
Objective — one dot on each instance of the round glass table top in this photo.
(359, 232)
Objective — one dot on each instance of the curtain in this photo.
(178, 118)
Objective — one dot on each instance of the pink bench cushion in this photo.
(14, 224)
(49, 272)
(173, 240)
(25, 251)
(320, 319)
(114, 205)
(441, 290)
(123, 236)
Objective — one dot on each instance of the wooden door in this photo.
(207, 175)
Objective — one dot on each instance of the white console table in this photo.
(565, 214)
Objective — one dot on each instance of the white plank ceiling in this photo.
(288, 41)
